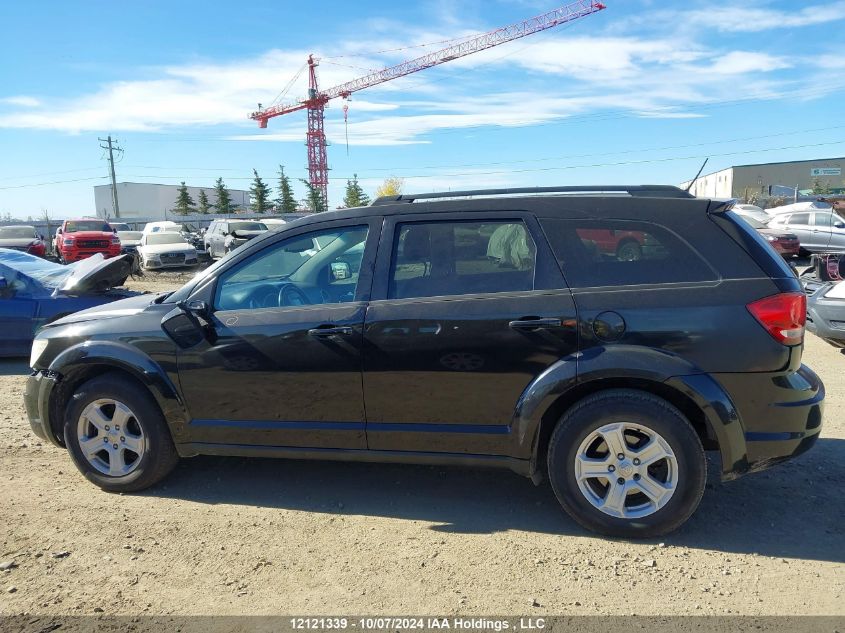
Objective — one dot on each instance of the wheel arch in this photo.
(79, 364)
(702, 400)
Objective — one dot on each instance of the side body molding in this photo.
(132, 360)
(585, 371)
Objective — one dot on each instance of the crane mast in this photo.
(315, 103)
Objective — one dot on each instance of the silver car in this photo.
(818, 231)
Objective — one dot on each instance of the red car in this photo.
(78, 239)
(784, 242)
(623, 245)
(22, 238)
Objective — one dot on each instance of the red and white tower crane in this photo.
(315, 103)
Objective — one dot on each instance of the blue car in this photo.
(34, 291)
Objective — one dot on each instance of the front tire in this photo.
(117, 436)
(626, 463)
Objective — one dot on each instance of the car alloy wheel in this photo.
(110, 437)
(626, 471)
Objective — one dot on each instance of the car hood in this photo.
(158, 249)
(11, 242)
(123, 307)
(90, 235)
(778, 233)
(96, 274)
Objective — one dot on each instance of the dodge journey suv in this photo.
(486, 328)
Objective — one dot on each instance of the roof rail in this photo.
(638, 191)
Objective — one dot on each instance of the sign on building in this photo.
(826, 171)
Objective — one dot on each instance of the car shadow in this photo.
(796, 510)
(14, 366)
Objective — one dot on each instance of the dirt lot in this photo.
(232, 536)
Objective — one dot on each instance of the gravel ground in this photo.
(234, 536)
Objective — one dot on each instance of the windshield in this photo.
(130, 235)
(247, 226)
(87, 225)
(165, 238)
(12, 232)
(120, 226)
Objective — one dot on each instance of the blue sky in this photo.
(640, 92)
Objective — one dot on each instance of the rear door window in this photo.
(623, 253)
(457, 258)
(800, 218)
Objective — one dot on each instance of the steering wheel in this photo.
(289, 290)
(262, 297)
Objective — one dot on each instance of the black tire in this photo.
(651, 413)
(158, 459)
(629, 251)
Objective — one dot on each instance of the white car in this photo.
(814, 205)
(165, 249)
(159, 227)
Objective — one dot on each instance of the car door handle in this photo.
(343, 330)
(534, 324)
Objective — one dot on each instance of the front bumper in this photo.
(152, 264)
(36, 397)
(781, 413)
(826, 317)
(76, 255)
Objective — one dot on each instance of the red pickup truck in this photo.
(78, 239)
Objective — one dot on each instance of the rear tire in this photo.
(629, 251)
(653, 490)
(117, 436)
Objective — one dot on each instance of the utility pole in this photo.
(111, 147)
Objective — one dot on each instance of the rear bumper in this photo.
(781, 414)
(36, 399)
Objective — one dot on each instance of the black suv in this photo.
(603, 338)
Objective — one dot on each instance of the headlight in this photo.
(38, 347)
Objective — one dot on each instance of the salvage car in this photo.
(219, 238)
(782, 241)
(78, 239)
(826, 311)
(22, 238)
(536, 352)
(34, 291)
(166, 250)
(818, 231)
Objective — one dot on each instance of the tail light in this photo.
(783, 316)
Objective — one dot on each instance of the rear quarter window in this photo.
(596, 253)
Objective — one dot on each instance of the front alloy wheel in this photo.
(111, 438)
(116, 435)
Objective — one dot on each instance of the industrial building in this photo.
(155, 202)
(770, 179)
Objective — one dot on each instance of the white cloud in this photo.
(21, 100)
(741, 62)
(754, 19)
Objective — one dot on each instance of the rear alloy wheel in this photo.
(627, 463)
(117, 436)
(629, 251)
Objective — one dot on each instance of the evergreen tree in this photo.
(355, 196)
(203, 205)
(224, 199)
(184, 201)
(285, 202)
(315, 197)
(259, 194)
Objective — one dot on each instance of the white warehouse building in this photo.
(155, 202)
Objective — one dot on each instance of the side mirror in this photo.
(6, 291)
(58, 231)
(184, 327)
(340, 270)
(839, 225)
